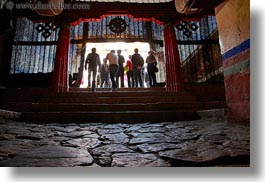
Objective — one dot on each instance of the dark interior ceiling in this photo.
(205, 4)
(164, 11)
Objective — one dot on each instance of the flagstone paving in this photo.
(207, 142)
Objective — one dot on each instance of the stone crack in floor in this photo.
(166, 144)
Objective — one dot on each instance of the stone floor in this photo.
(189, 143)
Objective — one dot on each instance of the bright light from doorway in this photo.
(127, 48)
(104, 48)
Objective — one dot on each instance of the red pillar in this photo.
(60, 72)
(174, 79)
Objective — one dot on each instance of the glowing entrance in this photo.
(104, 48)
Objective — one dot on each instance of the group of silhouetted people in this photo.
(114, 67)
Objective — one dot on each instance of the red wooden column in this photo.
(60, 72)
(174, 79)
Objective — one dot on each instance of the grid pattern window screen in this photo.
(34, 47)
(76, 32)
(199, 50)
(32, 59)
(133, 29)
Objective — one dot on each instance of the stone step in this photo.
(121, 105)
(9, 114)
(117, 100)
(44, 107)
(155, 89)
(217, 114)
(211, 105)
(109, 117)
(121, 94)
(33, 94)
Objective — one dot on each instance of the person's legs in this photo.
(89, 77)
(129, 79)
(150, 79)
(117, 78)
(135, 77)
(94, 73)
(94, 78)
(154, 79)
(113, 72)
(112, 79)
(122, 78)
(102, 83)
(139, 74)
(133, 83)
(106, 83)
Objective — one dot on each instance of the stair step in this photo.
(121, 94)
(109, 117)
(211, 105)
(121, 105)
(117, 100)
(44, 107)
(155, 89)
(29, 94)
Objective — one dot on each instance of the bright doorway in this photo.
(104, 48)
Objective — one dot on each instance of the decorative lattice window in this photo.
(199, 49)
(34, 47)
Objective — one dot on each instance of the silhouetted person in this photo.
(93, 62)
(137, 62)
(104, 74)
(129, 72)
(151, 68)
(120, 73)
(113, 66)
